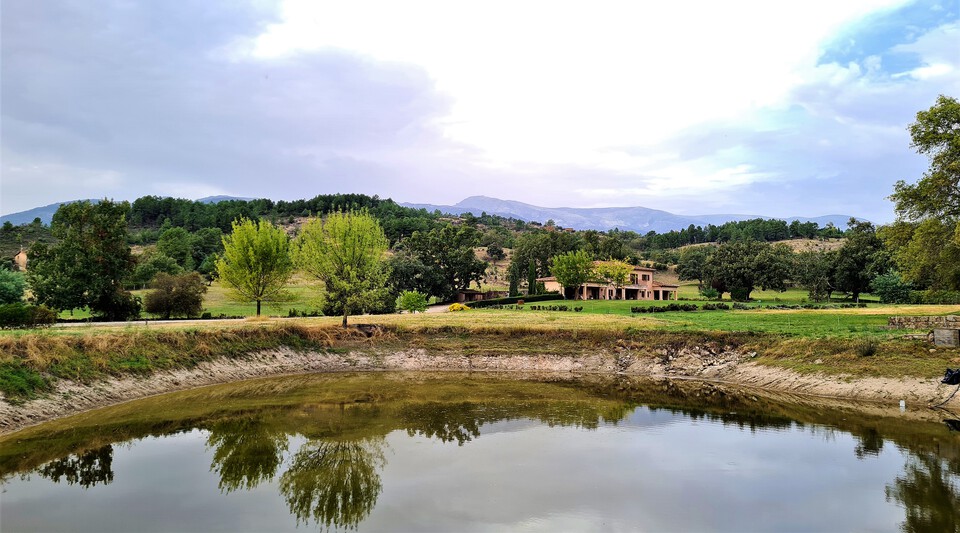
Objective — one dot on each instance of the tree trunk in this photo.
(258, 307)
(344, 317)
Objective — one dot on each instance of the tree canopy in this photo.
(256, 262)
(345, 251)
(90, 262)
(925, 240)
(572, 270)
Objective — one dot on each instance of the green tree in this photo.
(90, 262)
(151, 263)
(692, 264)
(925, 241)
(891, 288)
(495, 251)
(816, 272)
(412, 301)
(739, 267)
(345, 251)
(12, 285)
(861, 258)
(614, 273)
(447, 253)
(572, 270)
(256, 262)
(177, 243)
(176, 295)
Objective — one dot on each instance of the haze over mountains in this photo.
(639, 219)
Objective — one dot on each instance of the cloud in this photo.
(749, 106)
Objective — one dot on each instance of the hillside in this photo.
(638, 219)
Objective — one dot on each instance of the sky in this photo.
(694, 107)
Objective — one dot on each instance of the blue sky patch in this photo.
(876, 35)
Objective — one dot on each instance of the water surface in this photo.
(464, 452)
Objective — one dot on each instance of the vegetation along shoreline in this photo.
(49, 375)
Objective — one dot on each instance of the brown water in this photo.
(464, 452)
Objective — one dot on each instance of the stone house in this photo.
(20, 260)
(640, 285)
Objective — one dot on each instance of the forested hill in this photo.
(150, 216)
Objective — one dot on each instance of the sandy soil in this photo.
(697, 363)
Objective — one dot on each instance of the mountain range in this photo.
(639, 219)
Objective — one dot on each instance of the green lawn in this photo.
(806, 323)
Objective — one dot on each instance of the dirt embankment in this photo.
(696, 362)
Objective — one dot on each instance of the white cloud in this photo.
(561, 82)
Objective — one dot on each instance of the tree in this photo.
(151, 263)
(176, 295)
(614, 272)
(925, 240)
(412, 301)
(90, 262)
(572, 270)
(891, 288)
(816, 272)
(12, 285)
(739, 267)
(448, 253)
(861, 258)
(345, 252)
(256, 262)
(495, 251)
(692, 264)
(177, 243)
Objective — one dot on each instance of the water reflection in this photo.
(246, 452)
(87, 469)
(929, 495)
(323, 452)
(334, 482)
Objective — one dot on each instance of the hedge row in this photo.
(514, 299)
(19, 315)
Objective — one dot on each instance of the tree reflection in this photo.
(87, 469)
(870, 442)
(247, 452)
(929, 495)
(336, 483)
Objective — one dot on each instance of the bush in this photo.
(517, 300)
(176, 295)
(866, 347)
(412, 301)
(710, 293)
(891, 289)
(20, 315)
(12, 286)
(458, 307)
(935, 297)
(739, 294)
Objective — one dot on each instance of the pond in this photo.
(468, 452)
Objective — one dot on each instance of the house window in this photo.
(646, 277)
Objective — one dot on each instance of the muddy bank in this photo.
(728, 366)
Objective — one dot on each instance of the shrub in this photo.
(866, 347)
(12, 286)
(412, 301)
(20, 315)
(710, 293)
(891, 289)
(176, 295)
(739, 294)
(458, 307)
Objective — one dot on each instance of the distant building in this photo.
(640, 286)
(20, 260)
